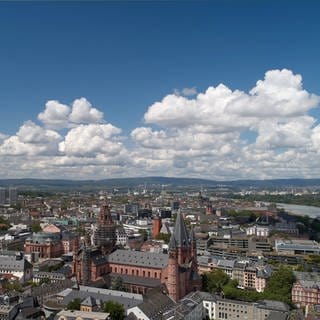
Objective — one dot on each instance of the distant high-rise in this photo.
(13, 196)
(2, 195)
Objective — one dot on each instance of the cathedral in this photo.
(139, 271)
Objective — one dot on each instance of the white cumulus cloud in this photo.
(221, 133)
(207, 135)
(83, 112)
(90, 140)
(59, 116)
(55, 115)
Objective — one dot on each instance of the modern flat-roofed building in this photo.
(293, 247)
(13, 195)
(2, 196)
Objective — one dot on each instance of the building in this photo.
(81, 315)
(259, 231)
(306, 289)
(191, 307)
(293, 247)
(2, 196)
(139, 270)
(14, 263)
(131, 208)
(249, 274)
(70, 242)
(286, 227)
(154, 305)
(51, 242)
(52, 276)
(105, 234)
(121, 236)
(201, 305)
(13, 196)
(312, 312)
(156, 226)
(98, 297)
(182, 263)
(44, 245)
(13, 308)
(235, 309)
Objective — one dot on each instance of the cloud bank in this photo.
(267, 132)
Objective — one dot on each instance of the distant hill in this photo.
(88, 185)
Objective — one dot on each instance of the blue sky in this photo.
(125, 56)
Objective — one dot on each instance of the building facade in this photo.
(306, 289)
(139, 270)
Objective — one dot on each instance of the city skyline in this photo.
(215, 90)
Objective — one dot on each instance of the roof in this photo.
(67, 314)
(172, 242)
(139, 258)
(165, 228)
(14, 262)
(146, 282)
(312, 276)
(290, 244)
(128, 300)
(89, 302)
(131, 316)
(187, 305)
(273, 305)
(199, 296)
(95, 255)
(180, 234)
(276, 315)
(156, 302)
(224, 263)
(308, 280)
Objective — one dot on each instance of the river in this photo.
(300, 210)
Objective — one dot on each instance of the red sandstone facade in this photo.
(50, 243)
(182, 265)
(45, 250)
(303, 296)
(156, 226)
(179, 274)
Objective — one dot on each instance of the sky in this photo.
(222, 90)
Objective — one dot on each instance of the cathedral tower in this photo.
(105, 234)
(182, 264)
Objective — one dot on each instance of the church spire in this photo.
(172, 243)
(180, 232)
(192, 236)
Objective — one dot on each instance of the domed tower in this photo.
(105, 233)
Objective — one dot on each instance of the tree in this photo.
(144, 233)
(14, 286)
(35, 227)
(4, 224)
(214, 281)
(115, 309)
(280, 284)
(163, 236)
(74, 304)
(118, 284)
